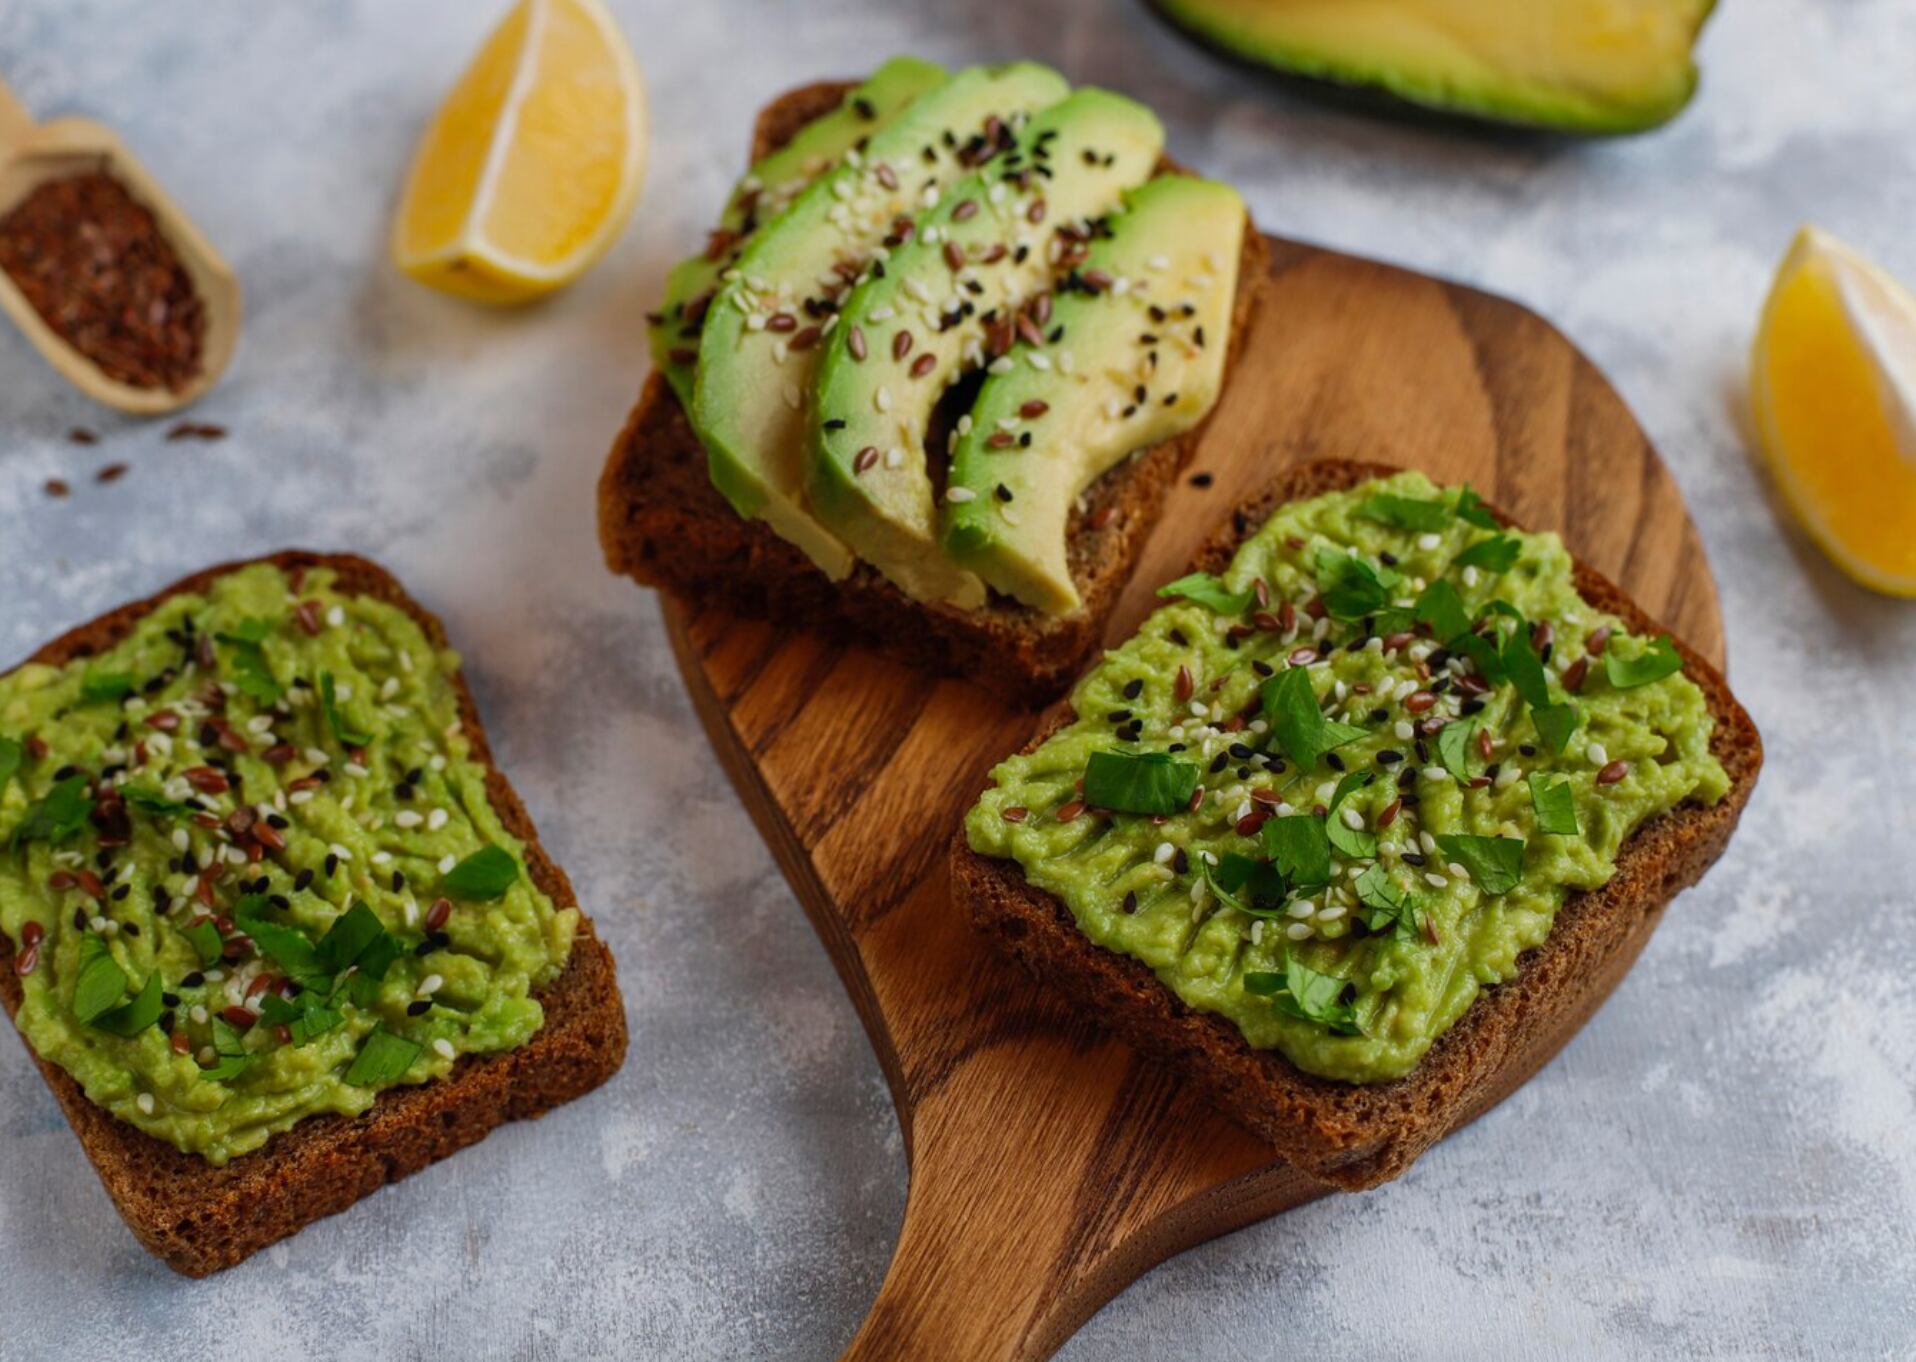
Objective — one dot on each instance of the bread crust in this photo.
(662, 523)
(198, 1218)
(1349, 1135)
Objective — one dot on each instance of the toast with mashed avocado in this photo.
(934, 402)
(275, 929)
(1366, 819)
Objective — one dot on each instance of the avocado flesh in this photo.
(773, 182)
(1580, 66)
(1094, 145)
(754, 378)
(1161, 327)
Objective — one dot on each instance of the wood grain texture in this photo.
(1050, 1165)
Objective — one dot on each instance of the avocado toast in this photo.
(320, 991)
(869, 501)
(1468, 869)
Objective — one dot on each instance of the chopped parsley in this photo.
(1494, 863)
(489, 872)
(1659, 660)
(1208, 591)
(1555, 805)
(1291, 708)
(1405, 513)
(1499, 553)
(383, 1059)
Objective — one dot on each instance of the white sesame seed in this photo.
(1507, 777)
(447, 862)
(1352, 818)
(198, 1014)
(1435, 773)
(298, 797)
(959, 495)
(145, 1103)
(882, 399)
(1457, 871)
(1429, 541)
(340, 852)
(1428, 843)
(1330, 914)
(1038, 361)
(1164, 853)
(430, 985)
(317, 756)
(443, 1048)
(1302, 908)
(436, 819)
(894, 458)
(180, 840)
(1436, 881)
(1403, 730)
(1599, 755)
(408, 818)
(336, 616)
(356, 771)
(1297, 931)
(382, 858)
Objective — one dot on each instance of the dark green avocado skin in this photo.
(1377, 99)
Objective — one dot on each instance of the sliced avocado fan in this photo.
(763, 330)
(1133, 354)
(949, 300)
(1576, 66)
(773, 182)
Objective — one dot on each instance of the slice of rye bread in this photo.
(1350, 1135)
(662, 523)
(199, 1218)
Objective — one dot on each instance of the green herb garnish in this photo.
(1209, 591)
(1145, 782)
(1456, 744)
(1353, 842)
(1472, 508)
(1499, 553)
(149, 800)
(131, 1018)
(97, 686)
(205, 939)
(1290, 705)
(382, 1060)
(61, 815)
(1556, 806)
(1555, 723)
(251, 673)
(1495, 863)
(1304, 992)
(1659, 660)
(1300, 849)
(1352, 588)
(1406, 513)
(1386, 905)
(1525, 669)
(288, 947)
(329, 702)
(98, 983)
(229, 1043)
(1250, 886)
(1439, 606)
(306, 1017)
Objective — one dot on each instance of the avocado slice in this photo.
(948, 302)
(1145, 324)
(763, 331)
(1576, 66)
(773, 182)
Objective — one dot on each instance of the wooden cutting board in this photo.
(1050, 1164)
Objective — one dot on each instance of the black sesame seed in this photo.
(1131, 903)
(303, 880)
(1413, 858)
(1389, 757)
(1219, 762)
(169, 1000)
(1134, 689)
(193, 980)
(419, 1007)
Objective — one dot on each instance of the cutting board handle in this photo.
(15, 121)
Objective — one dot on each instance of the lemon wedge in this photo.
(534, 161)
(1833, 384)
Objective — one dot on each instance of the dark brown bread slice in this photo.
(200, 1219)
(662, 523)
(1355, 1136)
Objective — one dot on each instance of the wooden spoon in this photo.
(32, 154)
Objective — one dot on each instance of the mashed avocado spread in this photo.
(250, 869)
(1334, 794)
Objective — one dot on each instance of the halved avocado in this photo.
(1576, 66)
(949, 300)
(773, 182)
(1141, 334)
(763, 330)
